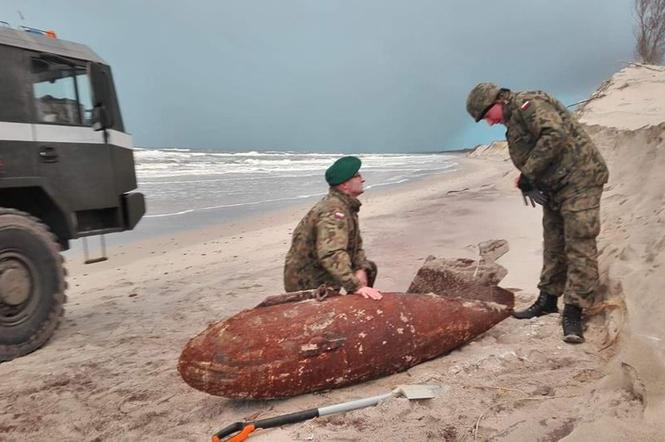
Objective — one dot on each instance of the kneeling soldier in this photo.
(327, 247)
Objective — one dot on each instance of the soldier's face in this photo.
(494, 115)
(354, 186)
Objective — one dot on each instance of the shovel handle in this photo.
(290, 418)
(229, 430)
(244, 434)
(243, 428)
(354, 405)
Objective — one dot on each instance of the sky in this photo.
(333, 75)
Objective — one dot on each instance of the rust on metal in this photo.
(292, 348)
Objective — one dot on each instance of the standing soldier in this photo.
(562, 168)
(326, 246)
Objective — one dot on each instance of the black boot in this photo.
(572, 324)
(544, 305)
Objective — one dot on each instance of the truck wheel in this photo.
(32, 284)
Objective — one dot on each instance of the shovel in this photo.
(242, 430)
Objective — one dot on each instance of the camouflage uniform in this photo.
(327, 247)
(550, 147)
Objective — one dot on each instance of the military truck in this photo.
(66, 171)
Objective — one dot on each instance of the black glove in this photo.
(524, 184)
(535, 196)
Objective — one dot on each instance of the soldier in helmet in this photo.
(327, 247)
(559, 163)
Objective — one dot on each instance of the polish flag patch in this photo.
(525, 105)
(339, 215)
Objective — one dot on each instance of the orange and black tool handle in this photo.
(244, 429)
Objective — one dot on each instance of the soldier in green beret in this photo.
(327, 247)
(561, 169)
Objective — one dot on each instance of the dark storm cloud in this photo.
(329, 75)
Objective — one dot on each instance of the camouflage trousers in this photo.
(570, 254)
(294, 282)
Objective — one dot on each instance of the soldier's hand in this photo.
(369, 293)
(362, 276)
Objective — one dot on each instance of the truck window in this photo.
(62, 93)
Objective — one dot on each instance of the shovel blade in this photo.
(417, 391)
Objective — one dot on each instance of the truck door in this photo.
(75, 159)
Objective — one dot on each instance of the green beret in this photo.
(342, 170)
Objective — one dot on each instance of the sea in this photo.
(193, 188)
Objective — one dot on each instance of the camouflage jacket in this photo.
(549, 146)
(327, 247)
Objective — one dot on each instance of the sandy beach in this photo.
(109, 373)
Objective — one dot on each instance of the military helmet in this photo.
(481, 98)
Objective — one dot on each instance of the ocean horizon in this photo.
(181, 181)
(188, 188)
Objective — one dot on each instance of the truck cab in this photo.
(66, 171)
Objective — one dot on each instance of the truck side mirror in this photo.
(99, 78)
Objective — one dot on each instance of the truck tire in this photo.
(32, 284)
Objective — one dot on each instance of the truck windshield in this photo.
(62, 93)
